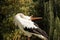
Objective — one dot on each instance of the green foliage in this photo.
(48, 10)
(51, 18)
(8, 10)
(57, 28)
(56, 35)
(54, 22)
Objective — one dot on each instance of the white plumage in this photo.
(23, 21)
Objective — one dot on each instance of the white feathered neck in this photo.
(25, 21)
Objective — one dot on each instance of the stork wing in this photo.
(18, 21)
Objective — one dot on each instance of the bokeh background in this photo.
(49, 10)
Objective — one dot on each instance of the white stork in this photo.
(27, 26)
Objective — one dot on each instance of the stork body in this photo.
(28, 27)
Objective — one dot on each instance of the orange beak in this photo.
(36, 18)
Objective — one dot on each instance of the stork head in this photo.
(21, 15)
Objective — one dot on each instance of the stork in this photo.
(27, 26)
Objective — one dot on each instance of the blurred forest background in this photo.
(49, 10)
